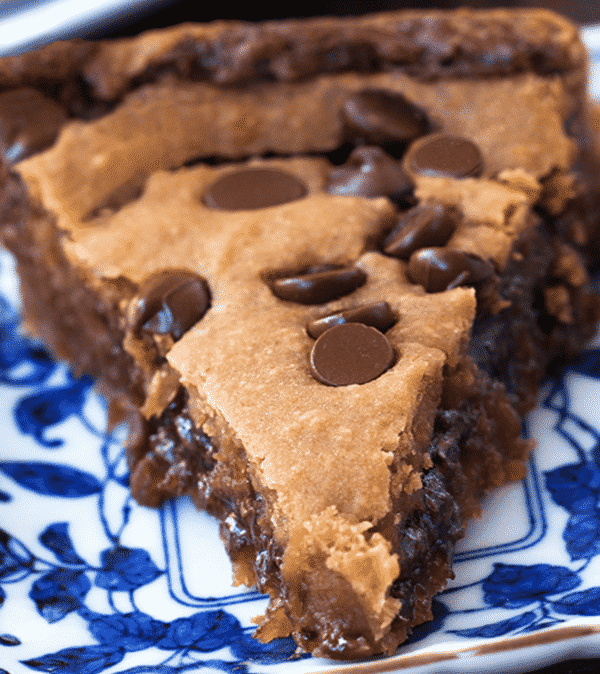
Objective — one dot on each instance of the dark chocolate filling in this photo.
(542, 340)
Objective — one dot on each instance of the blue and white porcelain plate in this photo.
(92, 583)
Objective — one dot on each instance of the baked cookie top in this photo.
(517, 124)
(249, 355)
(136, 199)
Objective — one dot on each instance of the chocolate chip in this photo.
(351, 353)
(169, 302)
(438, 269)
(445, 155)
(252, 188)
(378, 117)
(29, 122)
(379, 315)
(316, 285)
(369, 172)
(428, 224)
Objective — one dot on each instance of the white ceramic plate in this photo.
(90, 582)
(27, 24)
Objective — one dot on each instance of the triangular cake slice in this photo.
(321, 266)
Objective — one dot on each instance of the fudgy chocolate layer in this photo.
(533, 323)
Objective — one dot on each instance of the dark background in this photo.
(172, 12)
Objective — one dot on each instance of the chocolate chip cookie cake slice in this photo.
(320, 267)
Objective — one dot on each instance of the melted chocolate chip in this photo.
(379, 316)
(445, 155)
(428, 224)
(369, 172)
(29, 122)
(438, 269)
(316, 285)
(252, 188)
(351, 353)
(169, 302)
(378, 117)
